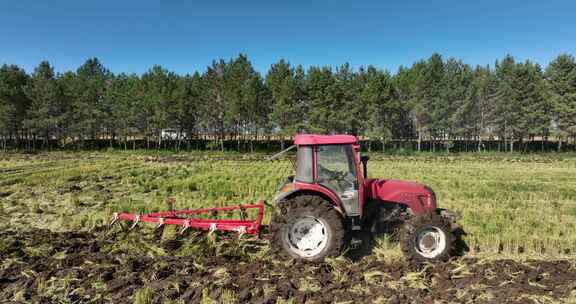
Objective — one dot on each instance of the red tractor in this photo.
(329, 200)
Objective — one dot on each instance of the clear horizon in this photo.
(132, 36)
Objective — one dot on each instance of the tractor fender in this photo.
(417, 197)
(303, 189)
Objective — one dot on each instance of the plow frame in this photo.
(181, 218)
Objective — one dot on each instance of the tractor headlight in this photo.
(283, 191)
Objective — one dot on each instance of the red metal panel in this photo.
(403, 192)
(317, 188)
(314, 139)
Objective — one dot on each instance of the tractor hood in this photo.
(418, 197)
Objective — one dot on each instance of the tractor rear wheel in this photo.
(308, 227)
(428, 238)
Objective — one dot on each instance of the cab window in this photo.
(304, 167)
(335, 167)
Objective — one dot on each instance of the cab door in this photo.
(336, 169)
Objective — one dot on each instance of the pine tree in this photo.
(383, 107)
(185, 113)
(561, 81)
(521, 105)
(159, 88)
(286, 109)
(321, 103)
(261, 106)
(475, 115)
(89, 88)
(214, 103)
(507, 107)
(403, 83)
(455, 109)
(427, 102)
(348, 115)
(122, 98)
(242, 95)
(13, 103)
(66, 83)
(46, 113)
(535, 108)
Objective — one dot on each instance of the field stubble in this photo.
(509, 205)
(512, 206)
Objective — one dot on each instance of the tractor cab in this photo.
(329, 166)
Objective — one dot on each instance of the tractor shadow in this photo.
(371, 232)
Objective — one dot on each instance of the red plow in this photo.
(186, 219)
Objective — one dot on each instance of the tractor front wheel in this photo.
(428, 238)
(308, 227)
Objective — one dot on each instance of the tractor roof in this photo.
(313, 139)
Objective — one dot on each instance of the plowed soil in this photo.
(46, 267)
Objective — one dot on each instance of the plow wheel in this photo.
(308, 228)
(428, 238)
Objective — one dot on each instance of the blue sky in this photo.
(185, 36)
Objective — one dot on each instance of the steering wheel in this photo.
(337, 176)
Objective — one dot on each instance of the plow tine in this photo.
(212, 228)
(186, 226)
(114, 219)
(160, 223)
(136, 221)
(241, 231)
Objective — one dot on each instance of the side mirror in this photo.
(364, 159)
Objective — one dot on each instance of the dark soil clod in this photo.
(89, 274)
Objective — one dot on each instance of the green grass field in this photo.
(511, 205)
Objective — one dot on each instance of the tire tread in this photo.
(317, 206)
(408, 238)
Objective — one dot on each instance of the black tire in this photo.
(308, 206)
(418, 225)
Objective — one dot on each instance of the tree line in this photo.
(430, 105)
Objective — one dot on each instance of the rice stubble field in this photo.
(519, 213)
